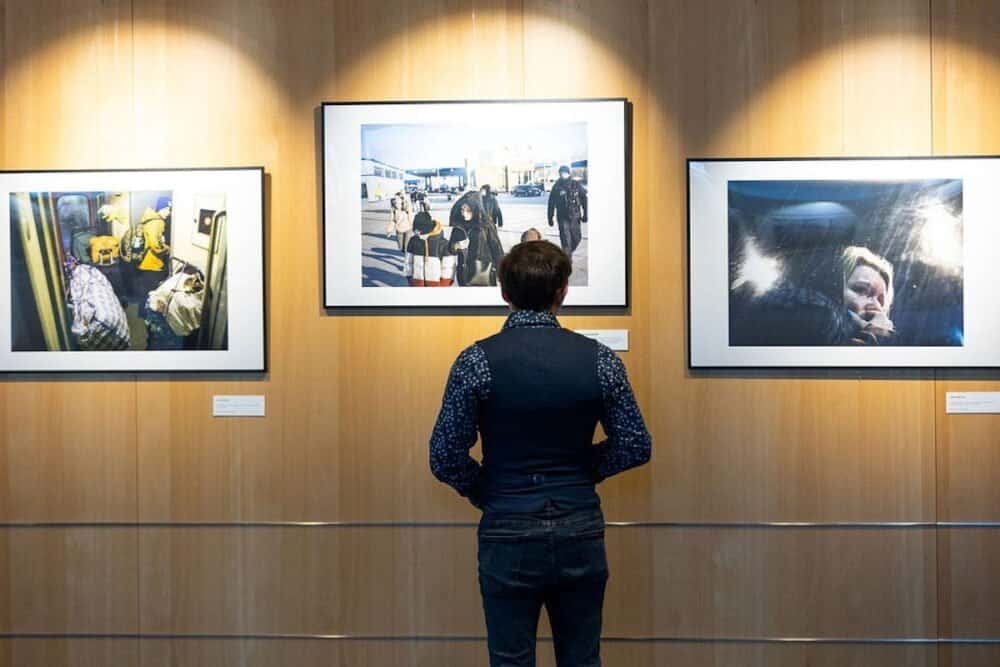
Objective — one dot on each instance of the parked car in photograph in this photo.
(526, 191)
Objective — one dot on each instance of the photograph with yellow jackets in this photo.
(116, 271)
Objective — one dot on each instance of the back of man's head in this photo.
(534, 274)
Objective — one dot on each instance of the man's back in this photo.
(537, 422)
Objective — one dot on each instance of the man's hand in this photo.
(551, 222)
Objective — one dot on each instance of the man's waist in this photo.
(500, 478)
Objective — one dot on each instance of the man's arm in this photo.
(628, 444)
(457, 424)
(552, 204)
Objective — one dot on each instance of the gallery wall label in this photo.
(616, 339)
(972, 402)
(238, 406)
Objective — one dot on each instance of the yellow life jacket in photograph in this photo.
(104, 250)
(153, 227)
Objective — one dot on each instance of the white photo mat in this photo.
(709, 279)
(243, 191)
(607, 153)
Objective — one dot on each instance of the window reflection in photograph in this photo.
(830, 263)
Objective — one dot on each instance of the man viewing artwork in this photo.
(534, 393)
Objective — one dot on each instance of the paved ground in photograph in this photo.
(382, 262)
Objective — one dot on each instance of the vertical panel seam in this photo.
(135, 381)
(930, 59)
(934, 382)
(524, 48)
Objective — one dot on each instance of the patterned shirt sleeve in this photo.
(457, 424)
(628, 444)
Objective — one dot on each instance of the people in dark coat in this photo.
(491, 205)
(476, 241)
(568, 205)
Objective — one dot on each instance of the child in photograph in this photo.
(430, 260)
(531, 235)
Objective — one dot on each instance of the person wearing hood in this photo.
(568, 205)
(430, 260)
(491, 205)
(146, 248)
(476, 241)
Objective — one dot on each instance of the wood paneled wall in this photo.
(352, 398)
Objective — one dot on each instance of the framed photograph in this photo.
(433, 194)
(844, 262)
(132, 270)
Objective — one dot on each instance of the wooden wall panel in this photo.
(77, 580)
(781, 583)
(68, 444)
(792, 445)
(969, 656)
(675, 583)
(966, 70)
(5, 579)
(970, 558)
(966, 66)
(70, 652)
(968, 458)
(473, 654)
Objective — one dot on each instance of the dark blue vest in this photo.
(537, 423)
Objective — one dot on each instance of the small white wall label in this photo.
(616, 339)
(972, 402)
(238, 406)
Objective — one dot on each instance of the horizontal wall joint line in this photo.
(933, 641)
(473, 524)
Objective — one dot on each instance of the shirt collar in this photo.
(530, 318)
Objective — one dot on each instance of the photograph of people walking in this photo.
(484, 186)
(478, 176)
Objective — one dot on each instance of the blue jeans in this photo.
(552, 559)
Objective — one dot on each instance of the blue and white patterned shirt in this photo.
(628, 443)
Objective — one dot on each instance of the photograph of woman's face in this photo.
(845, 262)
(865, 292)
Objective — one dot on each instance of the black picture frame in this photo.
(333, 305)
(260, 364)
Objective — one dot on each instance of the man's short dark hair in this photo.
(532, 274)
